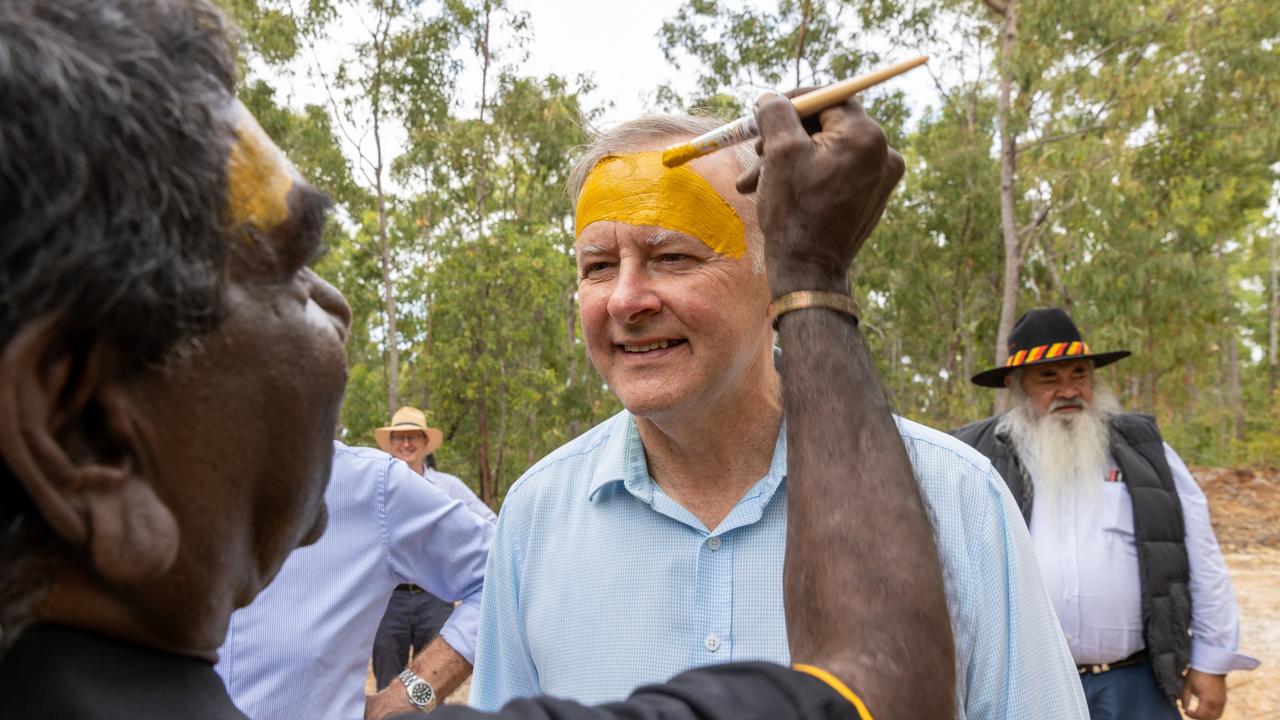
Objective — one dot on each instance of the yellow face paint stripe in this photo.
(637, 189)
(258, 178)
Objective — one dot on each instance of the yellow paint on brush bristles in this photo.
(679, 154)
(637, 189)
(258, 178)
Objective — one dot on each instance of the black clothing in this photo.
(55, 673)
(1158, 531)
(737, 691)
(414, 618)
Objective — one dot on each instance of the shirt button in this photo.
(712, 642)
(714, 543)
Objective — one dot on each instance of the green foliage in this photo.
(500, 354)
(1147, 152)
(1147, 156)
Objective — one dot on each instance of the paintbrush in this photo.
(809, 104)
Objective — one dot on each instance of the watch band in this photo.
(421, 695)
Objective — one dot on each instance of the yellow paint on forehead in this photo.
(258, 177)
(637, 189)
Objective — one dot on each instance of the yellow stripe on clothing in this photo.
(836, 685)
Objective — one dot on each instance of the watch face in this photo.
(420, 693)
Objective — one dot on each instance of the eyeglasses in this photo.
(414, 437)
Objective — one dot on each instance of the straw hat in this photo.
(405, 419)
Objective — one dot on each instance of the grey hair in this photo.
(112, 187)
(648, 129)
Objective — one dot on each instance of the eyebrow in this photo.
(310, 211)
(658, 239)
(664, 237)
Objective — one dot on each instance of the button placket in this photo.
(715, 596)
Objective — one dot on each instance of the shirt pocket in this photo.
(1117, 518)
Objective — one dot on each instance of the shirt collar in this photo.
(622, 460)
(621, 457)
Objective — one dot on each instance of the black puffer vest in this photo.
(1158, 531)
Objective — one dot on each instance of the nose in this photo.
(332, 302)
(1068, 391)
(633, 295)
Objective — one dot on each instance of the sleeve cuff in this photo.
(835, 684)
(460, 631)
(1218, 661)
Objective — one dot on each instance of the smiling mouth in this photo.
(650, 347)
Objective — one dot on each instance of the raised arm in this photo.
(863, 583)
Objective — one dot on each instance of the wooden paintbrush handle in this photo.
(815, 102)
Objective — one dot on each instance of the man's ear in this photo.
(69, 434)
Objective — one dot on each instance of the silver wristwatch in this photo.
(421, 694)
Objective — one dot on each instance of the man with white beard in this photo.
(1119, 526)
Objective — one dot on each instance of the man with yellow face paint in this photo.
(655, 542)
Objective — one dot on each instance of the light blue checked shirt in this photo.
(598, 582)
(301, 649)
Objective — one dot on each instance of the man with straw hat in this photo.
(414, 616)
(1120, 528)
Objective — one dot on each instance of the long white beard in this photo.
(1063, 452)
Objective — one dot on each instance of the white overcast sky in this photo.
(617, 42)
(613, 41)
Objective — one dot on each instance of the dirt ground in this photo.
(1245, 506)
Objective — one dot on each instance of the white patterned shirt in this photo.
(1089, 559)
(598, 582)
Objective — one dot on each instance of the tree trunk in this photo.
(482, 449)
(384, 246)
(1008, 216)
(1273, 326)
(482, 47)
(1231, 376)
(806, 9)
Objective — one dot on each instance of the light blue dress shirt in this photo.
(301, 649)
(453, 486)
(598, 582)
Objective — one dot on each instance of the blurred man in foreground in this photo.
(158, 316)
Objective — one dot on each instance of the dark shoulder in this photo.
(1137, 427)
(974, 432)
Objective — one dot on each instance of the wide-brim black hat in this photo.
(1044, 335)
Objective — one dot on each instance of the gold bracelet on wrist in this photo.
(801, 299)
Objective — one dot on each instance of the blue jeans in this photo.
(1127, 693)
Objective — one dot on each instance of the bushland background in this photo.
(1120, 159)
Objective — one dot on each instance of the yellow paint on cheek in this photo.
(258, 179)
(637, 189)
